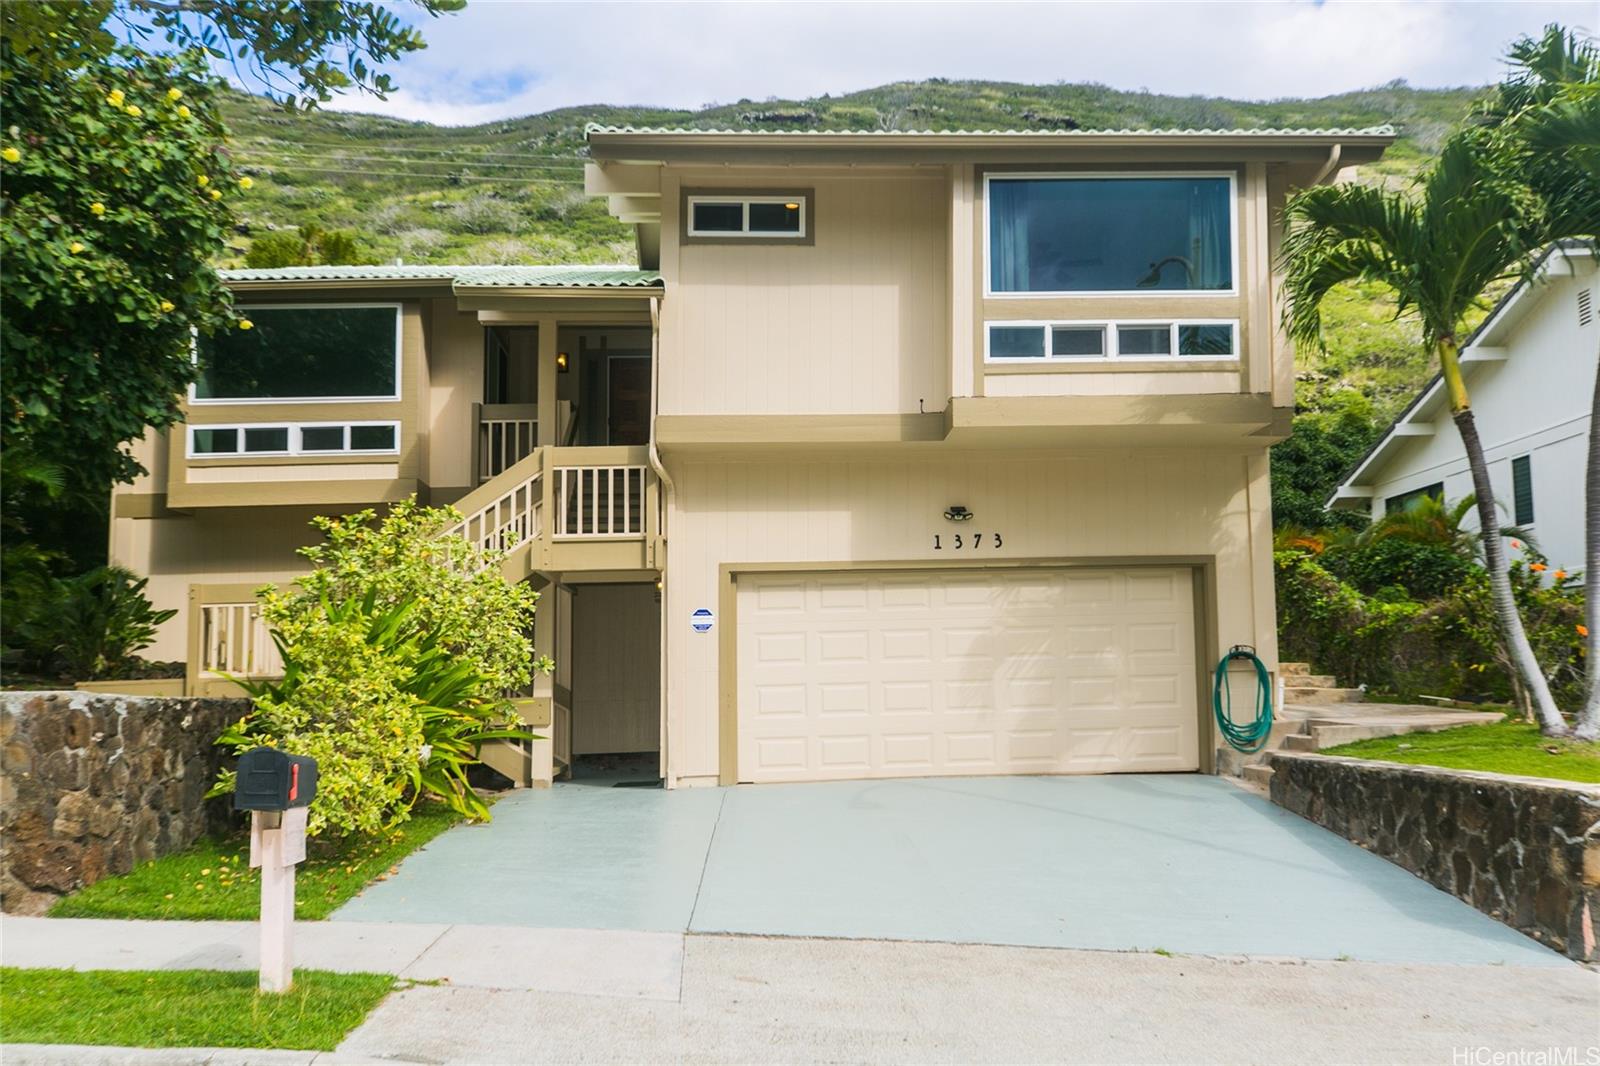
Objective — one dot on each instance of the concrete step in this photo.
(1312, 681)
(1300, 742)
(1294, 669)
(1232, 763)
(1258, 774)
(1320, 694)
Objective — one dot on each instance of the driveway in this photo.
(1180, 863)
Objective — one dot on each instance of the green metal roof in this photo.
(510, 277)
(677, 131)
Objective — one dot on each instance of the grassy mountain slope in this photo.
(511, 191)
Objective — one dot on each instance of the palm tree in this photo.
(1545, 121)
(1430, 520)
(1437, 251)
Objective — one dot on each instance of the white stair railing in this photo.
(235, 641)
(507, 521)
(507, 434)
(595, 502)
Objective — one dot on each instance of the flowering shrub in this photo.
(398, 654)
(1447, 645)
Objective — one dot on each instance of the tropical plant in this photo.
(1545, 123)
(1432, 521)
(387, 711)
(400, 647)
(84, 627)
(1437, 251)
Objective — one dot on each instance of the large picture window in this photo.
(345, 352)
(1103, 234)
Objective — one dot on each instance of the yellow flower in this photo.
(174, 94)
(183, 111)
(167, 305)
(134, 110)
(169, 895)
(115, 98)
(245, 183)
(97, 208)
(202, 181)
(216, 194)
(75, 247)
(206, 872)
(10, 155)
(245, 323)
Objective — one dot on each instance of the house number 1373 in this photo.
(969, 541)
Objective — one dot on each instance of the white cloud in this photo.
(503, 59)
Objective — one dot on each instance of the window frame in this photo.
(990, 177)
(1111, 354)
(245, 309)
(804, 196)
(1408, 495)
(296, 448)
(744, 200)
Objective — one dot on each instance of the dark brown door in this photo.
(629, 401)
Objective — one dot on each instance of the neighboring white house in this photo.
(1530, 368)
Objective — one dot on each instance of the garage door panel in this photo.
(965, 672)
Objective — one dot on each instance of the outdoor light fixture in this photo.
(791, 207)
(561, 362)
(958, 513)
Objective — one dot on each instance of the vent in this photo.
(1585, 307)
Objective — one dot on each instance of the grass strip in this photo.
(1509, 747)
(213, 879)
(184, 1008)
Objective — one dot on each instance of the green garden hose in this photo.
(1248, 737)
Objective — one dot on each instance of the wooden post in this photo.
(277, 843)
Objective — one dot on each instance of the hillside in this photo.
(511, 191)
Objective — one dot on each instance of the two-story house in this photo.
(902, 454)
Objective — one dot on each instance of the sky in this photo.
(507, 58)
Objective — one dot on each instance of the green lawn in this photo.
(213, 878)
(1510, 747)
(184, 1008)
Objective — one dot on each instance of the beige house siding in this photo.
(225, 547)
(616, 675)
(855, 323)
(455, 383)
(1207, 508)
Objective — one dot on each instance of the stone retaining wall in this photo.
(1524, 850)
(91, 784)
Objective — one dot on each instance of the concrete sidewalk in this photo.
(761, 1000)
(605, 962)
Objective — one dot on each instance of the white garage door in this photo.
(914, 673)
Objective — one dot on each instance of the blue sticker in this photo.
(702, 620)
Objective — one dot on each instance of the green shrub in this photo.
(80, 628)
(1446, 646)
(1423, 570)
(399, 649)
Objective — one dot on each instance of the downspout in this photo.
(667, 489)
(1329, 168)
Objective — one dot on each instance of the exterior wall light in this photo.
(561, 362)
(958, 513)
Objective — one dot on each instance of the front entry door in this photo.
(628, 401)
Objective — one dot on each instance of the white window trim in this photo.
(1112, 355)
(399, 338)
(295, 446)
(744, 202)
(1233, 234)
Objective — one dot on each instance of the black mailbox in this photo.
(272, 780)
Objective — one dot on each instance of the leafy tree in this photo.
(1307, 467)
(308, 246)
(114, 186)
(1436, 251)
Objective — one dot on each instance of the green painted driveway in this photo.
(1181, 863)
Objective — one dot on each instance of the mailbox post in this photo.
(276, 788)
